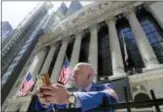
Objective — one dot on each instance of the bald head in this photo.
(83, 74)
(85, 67)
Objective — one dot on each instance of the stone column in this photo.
(93, 48)
(36, 65)
(19, 103)
(75, 56)
(13, 107)
(146, 51)
(156, 10)
(76, 50)
(116, 56)
(37, 62)
(48, 60)
(59, 62)
(25, 105)
(33, 69)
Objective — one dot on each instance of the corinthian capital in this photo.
(94, 26)
(129, 10)
(111, 18)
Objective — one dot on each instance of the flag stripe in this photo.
(65, 72)
(26, 89)
(27, 84)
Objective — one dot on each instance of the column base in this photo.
(152, 67)
(116, 76)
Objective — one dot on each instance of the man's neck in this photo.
(87, 87)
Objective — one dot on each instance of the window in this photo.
(154, 38)
(130, 52)
(104, 57)
(131, 46)
(84, 50)
(58, 46)
(70, 48)
(153, 32)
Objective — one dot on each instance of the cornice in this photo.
(91, 14)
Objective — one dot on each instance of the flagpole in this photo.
(125, 49)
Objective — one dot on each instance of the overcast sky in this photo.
(15, 11)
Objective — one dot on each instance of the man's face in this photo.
(80, 76)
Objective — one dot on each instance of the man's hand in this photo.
(41, 98)
(55, 93)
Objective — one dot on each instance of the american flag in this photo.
(65, 72)
(27, 84)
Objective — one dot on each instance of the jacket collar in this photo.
(89, 87)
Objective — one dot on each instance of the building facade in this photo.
(6, 30)
(18, 48)
(122, 40)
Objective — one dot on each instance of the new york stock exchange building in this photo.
(122, 40)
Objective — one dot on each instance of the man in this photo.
(89, 96)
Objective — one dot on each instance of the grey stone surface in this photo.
(59, 62)
(144, 82)
(156, 10)
(48, 59)
(116, 56)
(76, 50)
(146, 51)
(93, 50)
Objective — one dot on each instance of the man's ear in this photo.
(89, 76)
